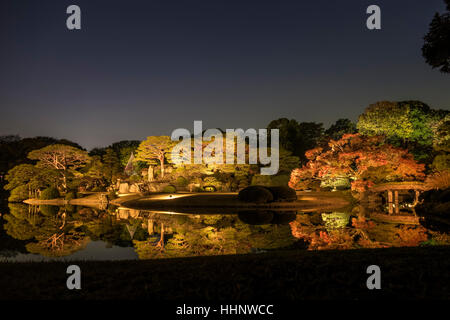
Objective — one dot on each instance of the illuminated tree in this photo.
(62, 158)
(155, 148)
(407, 124)
(361, 160)
(111, 164)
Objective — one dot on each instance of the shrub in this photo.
(265, 180)
(98, 189)
(169, 189)
(258, 194)
(212, 181)
(283, 193)
(19, 194)
(181, 181)
(438, 180)
(70, 195)
(135, 178)
(209, 189)
(262, 180)
(49, 194)
(198, 189)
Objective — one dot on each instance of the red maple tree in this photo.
(362, 160)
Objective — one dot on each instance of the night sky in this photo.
(140, 68)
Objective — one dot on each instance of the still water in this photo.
(42, 233)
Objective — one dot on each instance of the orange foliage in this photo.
(362, 223)
(354, 157)
(408, 236)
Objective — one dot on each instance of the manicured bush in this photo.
(169, 189)
(258, 194)
(49, 194)
(212, 181)
(181, 181)
(19, 194)
(70, 195)
(261, 180)
(283, 193)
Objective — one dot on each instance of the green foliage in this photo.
(155, 148)
(297, 137)
(181, 181)
(258, 194)
(112, 164)
(135, 178)
(336, 220)
(441, 162)
(49, 194)
(342, 183)
(20, 175)
(212, 181)
(288, 162)
(63, 158)
(385, 118)
(266, 180)
(169, 189)
(339, 128)
(406, 124)
(19, 194)
(436, 49)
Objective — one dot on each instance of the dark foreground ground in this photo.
(406, 273)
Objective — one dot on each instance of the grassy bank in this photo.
(407, 273)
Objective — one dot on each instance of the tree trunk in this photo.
(150, 174)
(161, 159)
(64, 181)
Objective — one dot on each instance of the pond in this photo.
(42, 233)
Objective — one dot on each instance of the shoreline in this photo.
(221, 201)
(213, 201)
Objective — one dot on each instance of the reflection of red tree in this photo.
(345, 238)
(408, 236)
(362, 223)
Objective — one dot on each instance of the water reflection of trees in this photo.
(205, 235)
(60, 231)
(344, 231)
(49, 228)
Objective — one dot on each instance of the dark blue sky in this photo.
(140, 68)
